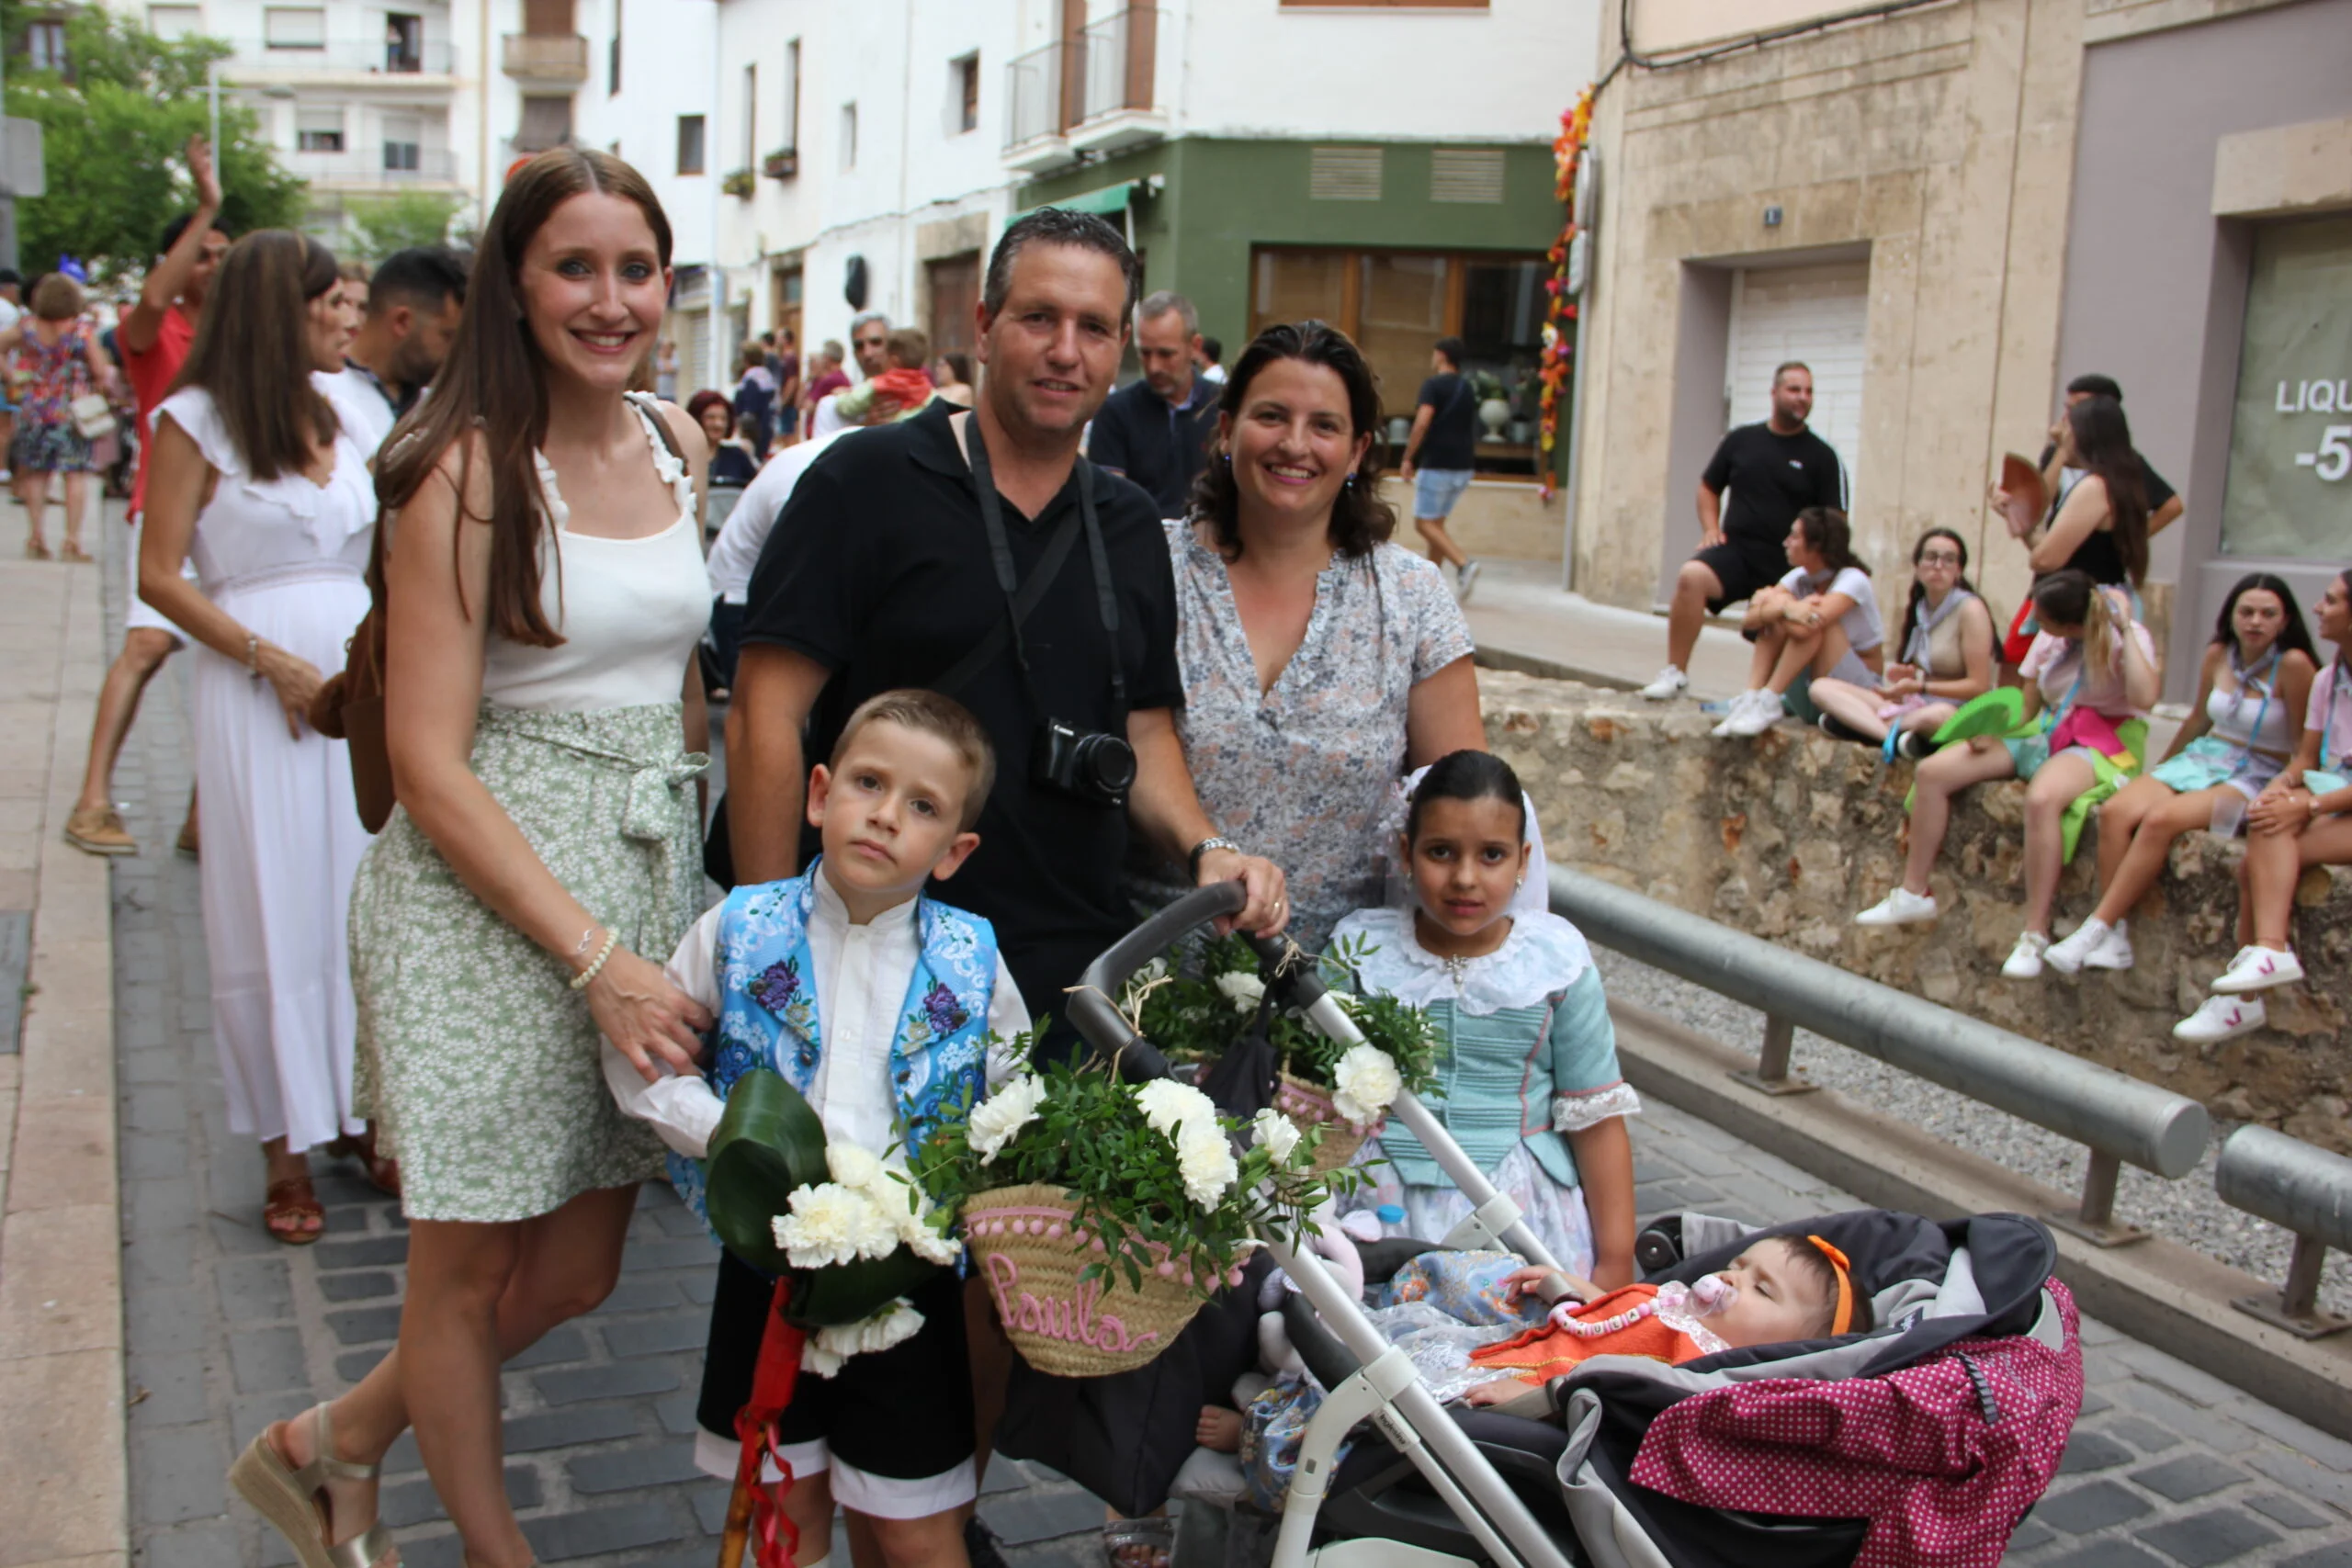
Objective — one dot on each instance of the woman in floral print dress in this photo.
(1321, 662)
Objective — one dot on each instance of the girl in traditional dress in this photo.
(545, 590)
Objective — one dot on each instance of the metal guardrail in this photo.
(2306, 1190)
(2119, 1117)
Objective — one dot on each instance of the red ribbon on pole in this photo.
(775, 1543)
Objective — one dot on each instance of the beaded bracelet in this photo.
(580, 981)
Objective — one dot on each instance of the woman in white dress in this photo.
(258, 477)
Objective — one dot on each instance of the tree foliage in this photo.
(114, 129)
(378, 225)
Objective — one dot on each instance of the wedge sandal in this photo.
(294, 1502)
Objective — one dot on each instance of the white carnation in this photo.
(1275, 1132)
(817, 1361)
(1207, 1164)
(877, 1233)
(933, 1248)
(1169, 1105)
(1245, 992)
(852, 1166)
(834, 1343)
(824, 1227)
(1003, 1113)
(1365, 1084)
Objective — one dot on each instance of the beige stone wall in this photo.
(1787, 836)
(1495, 519)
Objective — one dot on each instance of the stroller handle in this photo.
(1091, 1010)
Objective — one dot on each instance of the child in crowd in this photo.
(877, 1004)
(2302, 819)
(1820, 621)
(2091, 676)
(907, 382)
(1528, 1078)
(2246, 723)
(1947, 643)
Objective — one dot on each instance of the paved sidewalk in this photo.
(228, 1330)
(61, 1323)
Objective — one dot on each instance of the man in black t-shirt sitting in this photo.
(1156, 431)
(1774, 470)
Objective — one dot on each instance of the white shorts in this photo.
(877, 1497)
(141, 613)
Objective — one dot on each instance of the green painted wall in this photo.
(1223, 196)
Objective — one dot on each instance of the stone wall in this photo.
(1788, 835)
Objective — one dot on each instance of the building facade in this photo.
(1950, 210)
(1388, 169)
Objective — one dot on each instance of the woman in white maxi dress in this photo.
(280, 566)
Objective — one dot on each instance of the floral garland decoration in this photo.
(1575, 127)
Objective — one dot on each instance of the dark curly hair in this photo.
(1359, 519)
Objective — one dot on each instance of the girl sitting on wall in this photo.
(1947, 638)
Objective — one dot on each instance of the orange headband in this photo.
(1844, 1270)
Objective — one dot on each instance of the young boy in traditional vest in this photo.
(875, 1003)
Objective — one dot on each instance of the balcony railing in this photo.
(435, 165)
(544, 57)
(1032, 96)
(340, 57)
(1121, 57)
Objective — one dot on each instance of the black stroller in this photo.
(1973, 1339)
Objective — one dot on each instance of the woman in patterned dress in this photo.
(1321, 661)
(57, 360)
(547, 592)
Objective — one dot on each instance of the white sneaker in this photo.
(1671, 683)
(2094, 944)
(1755, 713)
(2025, 958)
(1900, 907)
(2258, 969)
(2222, 1018)
(1465, 580)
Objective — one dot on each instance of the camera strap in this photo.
(1021, 597)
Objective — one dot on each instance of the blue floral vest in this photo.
(767, 1008)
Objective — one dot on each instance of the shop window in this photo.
(2289, 494)
(1397, 304)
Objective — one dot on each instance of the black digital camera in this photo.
(1087, 766)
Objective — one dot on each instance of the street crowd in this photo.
(1005, 656)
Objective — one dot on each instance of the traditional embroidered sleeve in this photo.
(1008, 1018)
(1587, 1087)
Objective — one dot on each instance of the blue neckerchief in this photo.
(2270, 662)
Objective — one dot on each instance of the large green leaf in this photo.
(848, 1292)
(768, 1143)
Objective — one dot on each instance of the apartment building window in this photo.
(792, 96)
(318, 131)
(403, 43)
(294, 27)
(849, 137)
(690, 153)
(546, 122)
(613, 53)
(752, 117)
(45, 44)
(1397, 304)
(404, 143)
(175, 21)
(963, 94)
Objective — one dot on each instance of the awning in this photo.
(1107, 200)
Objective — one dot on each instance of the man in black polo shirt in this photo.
(1774, 470)
(1156, 431)
(881, 573)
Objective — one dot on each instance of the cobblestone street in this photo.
(228, 1330)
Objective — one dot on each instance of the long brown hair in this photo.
(494, 380)
(252, 350)
(2103, 445)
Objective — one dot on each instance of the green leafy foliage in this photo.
(113, 131)
(1090, 1138)
(378, 225)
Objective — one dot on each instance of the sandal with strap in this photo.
(295, 1501)
(286, 1203)
(383, 1171)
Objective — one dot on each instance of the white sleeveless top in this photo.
(630, 610)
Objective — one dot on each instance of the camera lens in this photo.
(1109, 761)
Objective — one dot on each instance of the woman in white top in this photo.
(545, 591)
(259, 477)
(2246, 723)
(1821, 620)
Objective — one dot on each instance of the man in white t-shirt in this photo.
(413, 303)
(1820, 620)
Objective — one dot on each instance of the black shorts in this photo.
(1743, 566)
(894, 1426)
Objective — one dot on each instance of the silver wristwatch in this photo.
(1205, 846)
